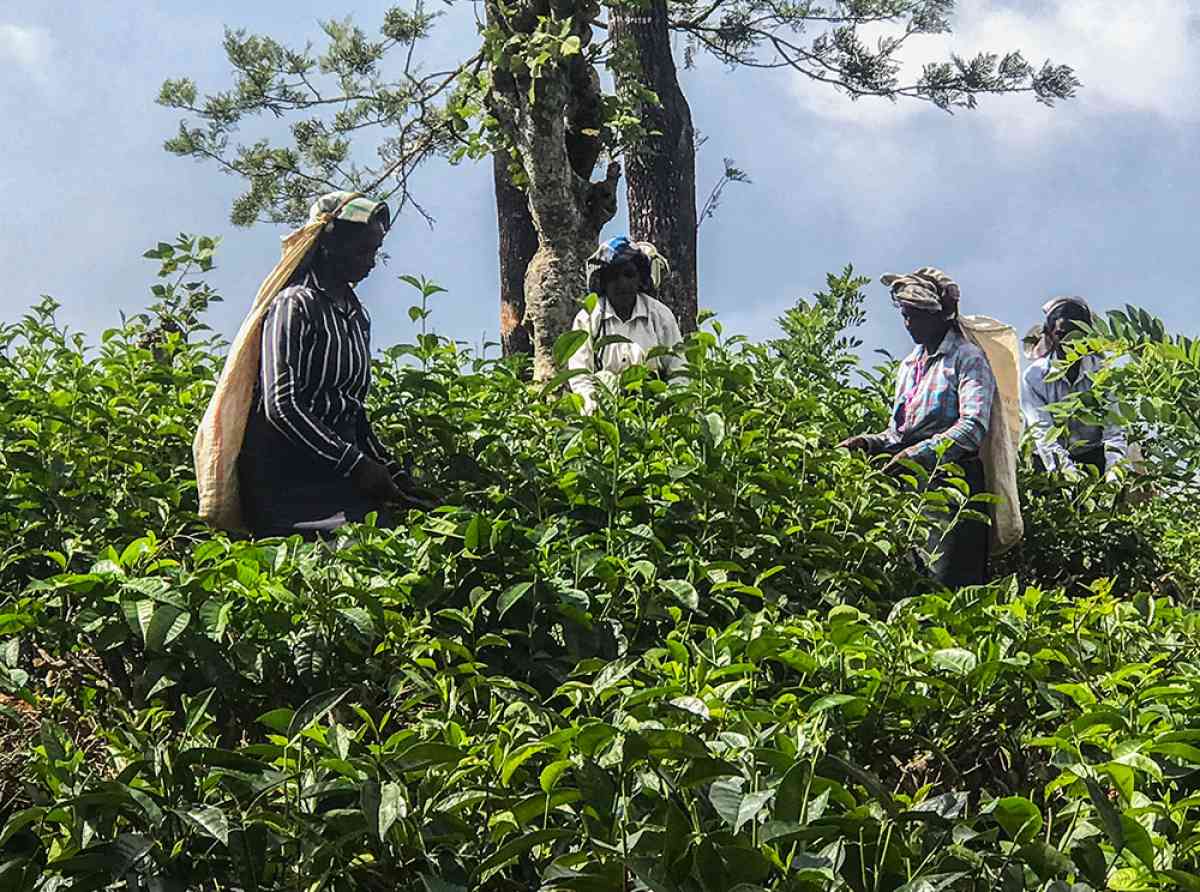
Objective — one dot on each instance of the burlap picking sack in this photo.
(218, 440)
(1001, 445)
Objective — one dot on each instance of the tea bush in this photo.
(682, 644)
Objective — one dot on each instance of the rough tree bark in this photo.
(549, 126)
(518, 237)
(518, 243)
(661, 169)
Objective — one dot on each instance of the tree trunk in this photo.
(661, 169)
(518, 243)
(548, 122)
(568, 212)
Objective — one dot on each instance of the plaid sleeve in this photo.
(976, 393)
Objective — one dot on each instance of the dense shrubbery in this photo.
(680, 645)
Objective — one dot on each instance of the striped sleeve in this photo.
(287, 397)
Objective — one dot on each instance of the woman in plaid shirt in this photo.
(944, 394)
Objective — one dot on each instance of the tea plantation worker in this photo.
(944, 394)
(625, 275)
(310, 461)
(1084, 444)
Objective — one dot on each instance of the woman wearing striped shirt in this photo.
(310, 460)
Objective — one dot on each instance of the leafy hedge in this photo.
(679, 645)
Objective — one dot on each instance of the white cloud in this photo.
(888, 158)
(1138, 58)
(1131, 57)
(27, 48)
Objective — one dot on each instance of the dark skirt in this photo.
(964, 547)
(287, 491)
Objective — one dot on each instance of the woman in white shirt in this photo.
(1084, 444)
(625, 276)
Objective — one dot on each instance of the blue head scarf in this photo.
(616, 251)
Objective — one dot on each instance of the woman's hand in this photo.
(895, 467)
(414, 496)
(373, 480)
(859, 443)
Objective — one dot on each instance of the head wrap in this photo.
(1050, 306)
(1036, 345)
(621, 250)
(659, 268)
(927, 288)
(350, 207)
(325, 215)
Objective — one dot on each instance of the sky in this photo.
(1018, 202)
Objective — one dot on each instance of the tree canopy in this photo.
(361, 108)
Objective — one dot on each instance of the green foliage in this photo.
(1142, 528)
(329, 96)
(1150, 380)
(363, 112)
(824, 43)
(676, 645)
(356, 87)
(97, 445)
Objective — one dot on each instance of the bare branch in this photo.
(341, 89)
(732, 174)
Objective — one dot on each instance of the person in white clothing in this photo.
(1102, 447)
(625, 276)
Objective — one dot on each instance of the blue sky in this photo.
(1097, 196)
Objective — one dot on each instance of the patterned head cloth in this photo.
(350, 207)
(927, 289)
(1055, 302)
(659, 268)
(1036, 343)
(621, 250)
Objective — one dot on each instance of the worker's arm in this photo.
(1035, 408)
(287, 397)
(583, 358)
(976, 396)
(669, 335)
(374, 447)
(889, 438)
